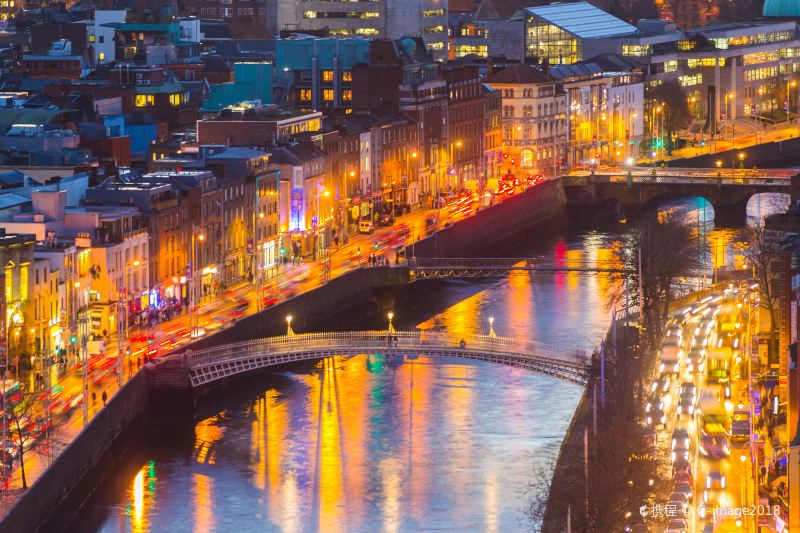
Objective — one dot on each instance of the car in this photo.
(366, 226)
(695, 361)
(660, 385)
(681, 466)
(714, 446)
(680, 497)
(680, 443)
(687, 399)
(715, 480)
(654, 411)
(682, 476)
(740, 431)
(683, 488)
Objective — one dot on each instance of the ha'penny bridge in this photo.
(203, 367)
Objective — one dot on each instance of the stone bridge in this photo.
(196, 368)
(629, 192)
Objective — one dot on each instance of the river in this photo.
(380, 444)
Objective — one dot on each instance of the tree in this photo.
(662, 251)
(20, 419)
(761, 252)
(674, 105)
(633, 10)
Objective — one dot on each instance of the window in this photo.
(434, 29)
(101, 39)
(101, 56)
(176, 99)
(690, 80)
(436, 46)
(636, 50)
(144, 100)
(433, 13)
(347, 75)
(327, 95)
(91, 38)
(670, 66)
(347, 95)
(304, 94)
(327, 75)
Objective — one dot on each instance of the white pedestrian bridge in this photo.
(211, 364)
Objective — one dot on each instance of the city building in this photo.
(315, 73)
(155, 43)
(252, 82)
(403, 77)
(567, 32)
(390, 19)
(605, 113)
(465, 126)
(534, 117)
(58, 61)
(256, 126)
(16, 256)
(728, 71)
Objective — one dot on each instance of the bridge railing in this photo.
(521, 263)
(413, 340)
(710, 178)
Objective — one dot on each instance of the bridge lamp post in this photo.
(289, 332)
(492, 334)
(741, 157)
(718, 164)
(390, 315)
(629, 164)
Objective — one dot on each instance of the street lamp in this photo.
(122, 322)
(289, 332)
(492, 334)
(197, 236)
(741, 157)
(391, 316)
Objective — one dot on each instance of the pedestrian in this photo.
(94, 397)
(104, 397)
(130, 367)
(138, 363)
(389, 340)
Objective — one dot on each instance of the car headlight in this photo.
(661, 367)
(663, 419)
(675, 368)
(691, 410)
(679, 409)
(703, 451)
(649, 420)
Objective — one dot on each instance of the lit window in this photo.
(310, 15)
(91, 38)
(144, 100)
(367, 31)
(434, 29)
(176, 99)
(347, 75)
(436, 46)
(327, 75)
(670, 66)
(347, 95)
(101, 56)
(327, 95)
(304, 94)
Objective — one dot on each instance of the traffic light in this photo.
(149, 340)
(505, 156)
(659, 143)
(73, 339)
(283, 250)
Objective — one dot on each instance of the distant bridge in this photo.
(727, 190)
(212, 364)
(432, 268)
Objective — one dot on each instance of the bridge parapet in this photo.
(219, 362)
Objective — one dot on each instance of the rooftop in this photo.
(582, 20)
(520, 74)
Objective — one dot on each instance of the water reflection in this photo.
(397, 444)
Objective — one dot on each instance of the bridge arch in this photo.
(213, 364)
(764, 204)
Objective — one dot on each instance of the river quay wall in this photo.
(53, 501)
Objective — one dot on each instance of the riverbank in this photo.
(56, 497)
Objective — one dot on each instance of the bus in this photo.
(719, 361)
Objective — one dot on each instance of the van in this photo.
(366, 226)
